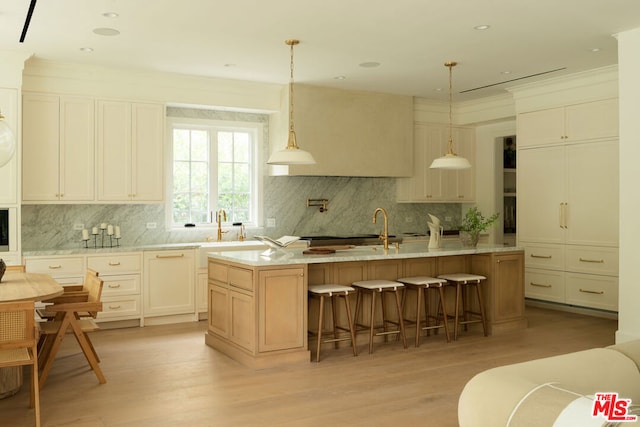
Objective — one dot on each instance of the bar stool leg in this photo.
(320, 323)
(482, 314)
(334, 311)
(457, 312)
(419, 300)
(444, 314)
(351, 325)
(373, 308)
(400, 321)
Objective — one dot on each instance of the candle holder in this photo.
(86, 242)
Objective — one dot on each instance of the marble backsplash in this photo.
(352, 201)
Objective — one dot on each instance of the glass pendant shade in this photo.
(7, 142)
(291, 154)
(450, 161)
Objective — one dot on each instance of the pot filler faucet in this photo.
(385, 235)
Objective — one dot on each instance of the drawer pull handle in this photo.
(540, 285)
(114, 285)
(114, 263)
(586, 291)
(597, 261)
(541, 256)
(114, 307)
(54, 267)
(170, 256)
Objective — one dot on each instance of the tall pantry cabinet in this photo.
(568, 203)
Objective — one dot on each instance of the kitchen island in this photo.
(257, 303)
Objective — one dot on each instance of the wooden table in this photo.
(18, 286)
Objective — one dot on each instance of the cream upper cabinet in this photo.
(130, 151)
(432, 185)
(58, 135)
(579, 122)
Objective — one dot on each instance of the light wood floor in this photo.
(166, 376)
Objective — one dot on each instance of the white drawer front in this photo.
(120, 308)
(543, 256)
(115, 264)
(592, 260)
(544, 285)
(56, 267)
(588, 290)
(121, 285)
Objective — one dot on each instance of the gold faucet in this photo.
(219, 216)
(385, 235)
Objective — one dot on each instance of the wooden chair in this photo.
(18, 344)
(74, 312)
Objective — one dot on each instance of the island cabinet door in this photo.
(282, 309)
(503, 291)
(218, 310)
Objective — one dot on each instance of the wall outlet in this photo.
(78, 227)
(448, 218)
(151, 225)
(408, 219)
(271, 222)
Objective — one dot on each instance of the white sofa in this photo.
(556, 391)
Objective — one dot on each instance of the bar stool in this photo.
(333, 292)
(462, 281)
(373, 287)
(422, 285)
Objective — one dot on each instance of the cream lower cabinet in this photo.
(121, 291)
(169, 283)
(258, 315)
(432, 185)
(67, 270)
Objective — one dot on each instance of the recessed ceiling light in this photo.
(371, 64)
(482, 27)
(595, 49)
(86, 49)
(505, 72)
(340, 77)
(438, 89)
(110, 15)
(106, 31)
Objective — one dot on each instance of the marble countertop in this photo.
(290, 256)
(235, 245)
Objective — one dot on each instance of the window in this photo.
(214, 166)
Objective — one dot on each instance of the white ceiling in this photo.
(411, 39)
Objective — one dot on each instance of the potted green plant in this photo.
(473, 224)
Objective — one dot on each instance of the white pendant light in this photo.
(450, 160)
(291, 154)
(7, 142)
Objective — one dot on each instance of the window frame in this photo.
(213, 126)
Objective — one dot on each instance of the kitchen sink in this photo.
(356, 240)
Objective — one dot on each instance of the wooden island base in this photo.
(258, 311)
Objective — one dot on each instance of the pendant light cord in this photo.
(450, 65)
(291, 127)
